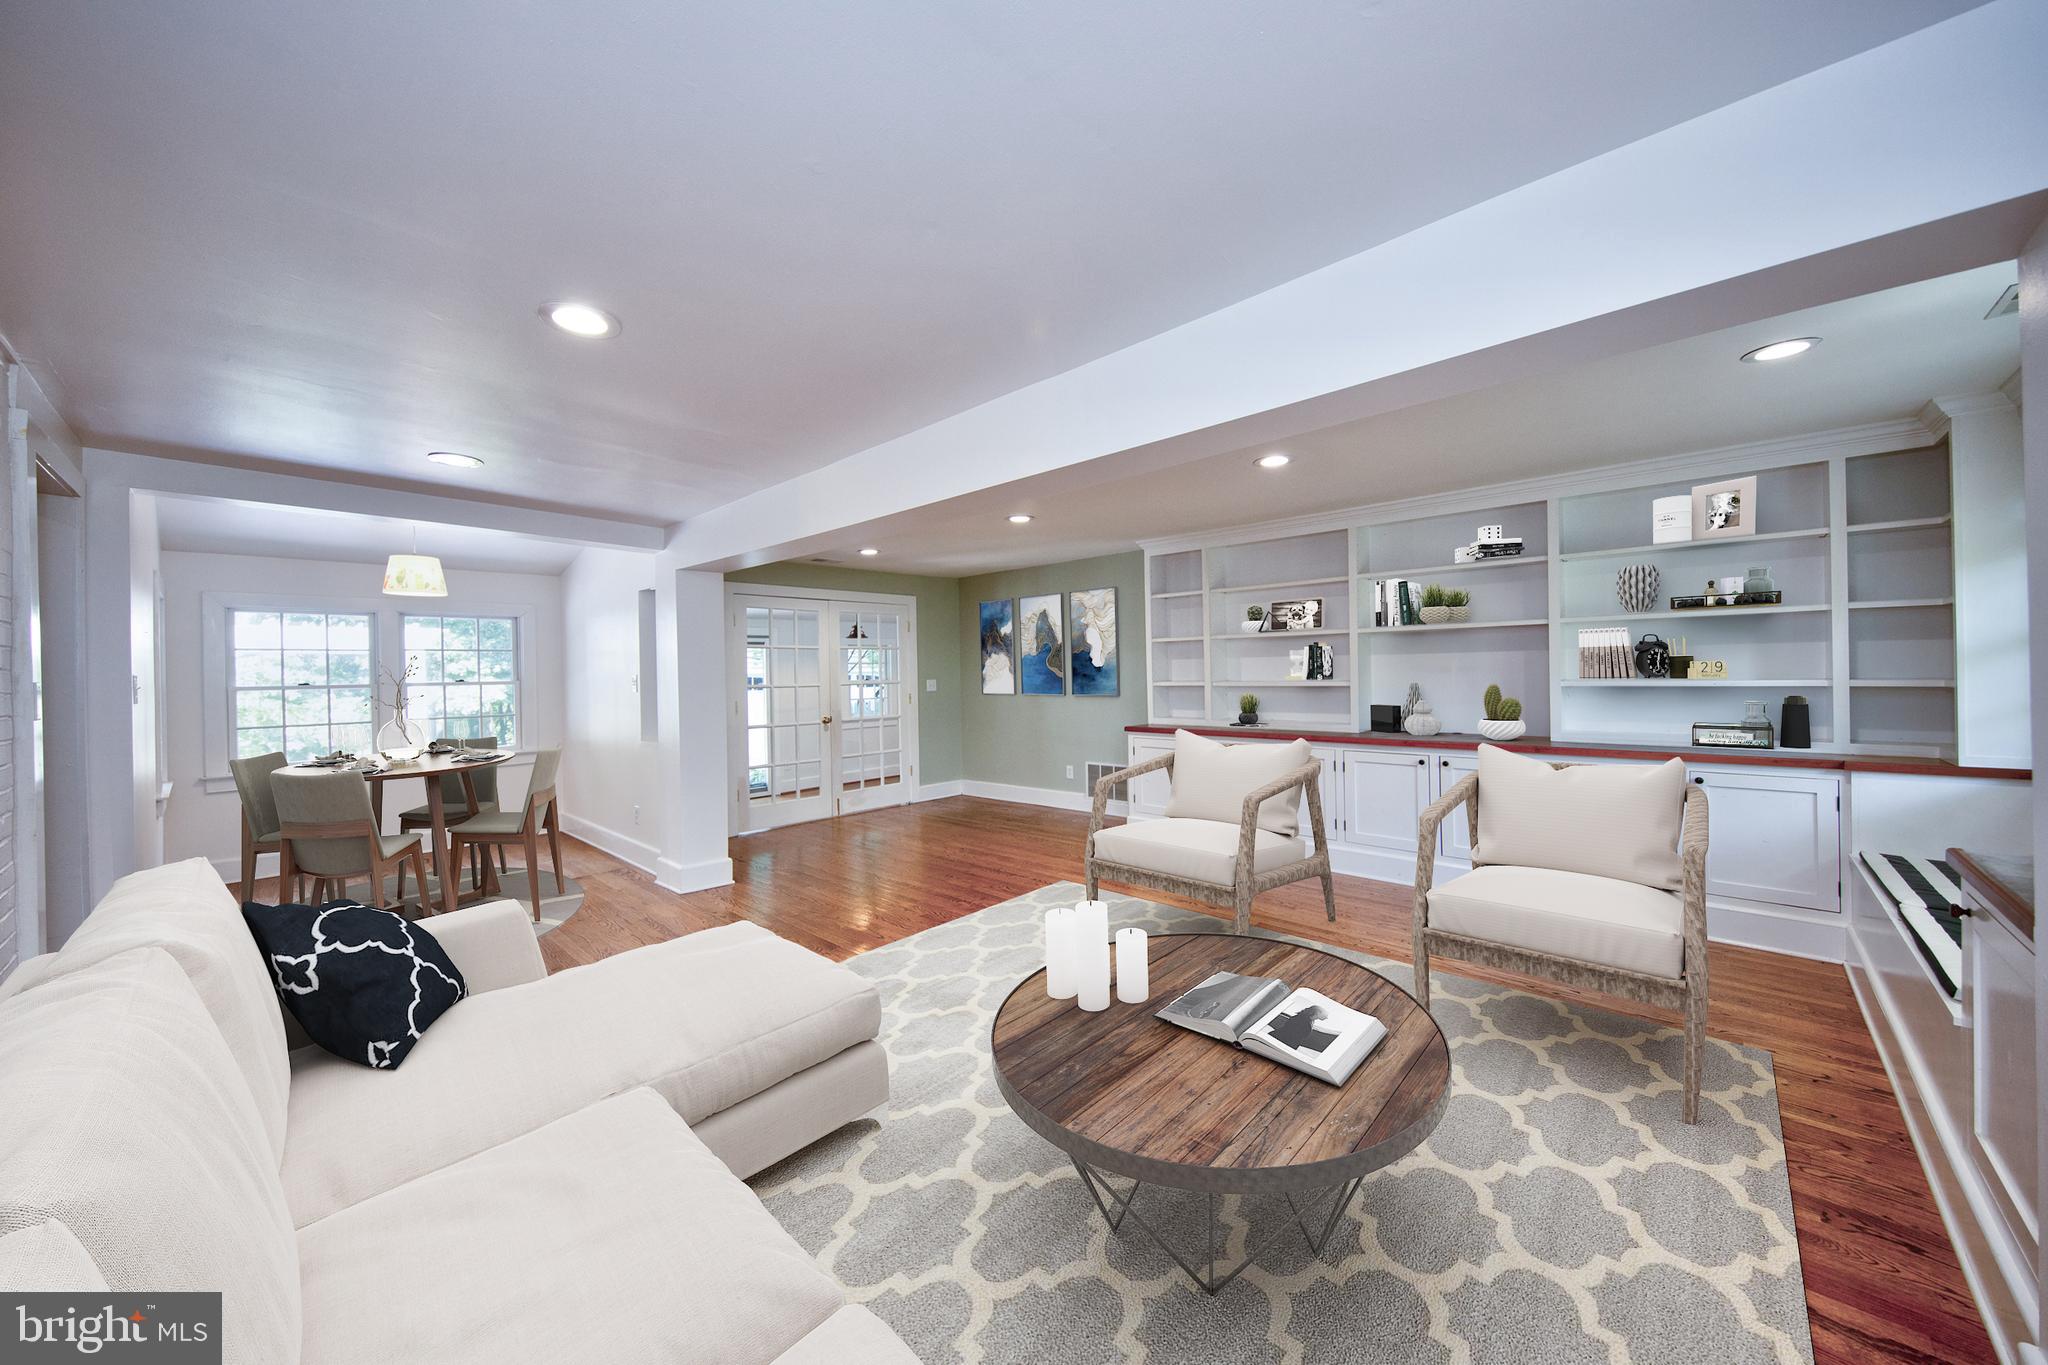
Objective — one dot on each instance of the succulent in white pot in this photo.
(1254, 620)
(1435, 609)
(1460, 603)
(1503, 717)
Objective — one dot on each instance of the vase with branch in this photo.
(400, 740)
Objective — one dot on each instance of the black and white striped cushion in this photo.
(1925, 895)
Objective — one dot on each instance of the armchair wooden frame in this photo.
(1686, 992)
(380, 866)
(543, 813)
(1245, 883)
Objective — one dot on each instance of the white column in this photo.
(696, 799)
(1986, 490)
(2034, 429)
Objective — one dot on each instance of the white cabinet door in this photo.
(1453, 839)
(1150, 790)
(1384, 793)
(1331, 757)
(1998, 997)
(1773, 839)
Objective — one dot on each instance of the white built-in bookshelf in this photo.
(1859, 545)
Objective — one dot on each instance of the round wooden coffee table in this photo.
(1124, 1093)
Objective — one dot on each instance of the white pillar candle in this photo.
(1061, 950)
(1091, 919)
(1133, 970)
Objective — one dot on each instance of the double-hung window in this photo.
(466, 684)
(301, 682)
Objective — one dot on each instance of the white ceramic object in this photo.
(1463, 613)
(1434, 616)
(1422, 721)
(1249, 627)
(1501, 731)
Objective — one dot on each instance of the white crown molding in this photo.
(1871, 438)
(1940, 413)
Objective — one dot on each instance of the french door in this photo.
(823, 718)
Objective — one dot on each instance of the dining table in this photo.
(434, 767)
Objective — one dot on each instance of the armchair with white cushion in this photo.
(1232, 826)
(1587, 875)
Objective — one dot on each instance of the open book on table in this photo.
(1298, 1027)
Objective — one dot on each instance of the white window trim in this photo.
(387, 642)
(519, 712)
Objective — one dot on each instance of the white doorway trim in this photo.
(828, 602)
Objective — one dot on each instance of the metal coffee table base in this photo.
(1106, 1198)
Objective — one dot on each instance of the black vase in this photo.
(1795, 724)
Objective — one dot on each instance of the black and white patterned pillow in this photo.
(363, 983)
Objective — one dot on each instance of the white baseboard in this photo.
(1037, 796)
(230, 869)
(624, 847)
(684, 878)
(939, 791)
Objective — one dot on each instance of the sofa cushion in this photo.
(186, 909)
(610, 1234)
(123, 1118)
(1197, 850)
(1566, 914)
(46, 1258)
(707, 1020)
(1603, 819)
(363, 983)
(851, 1336)
(1211, 780)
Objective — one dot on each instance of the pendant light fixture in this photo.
(414, 575)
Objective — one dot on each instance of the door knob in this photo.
(824, 720)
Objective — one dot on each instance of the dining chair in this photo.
(329, 833)
(523, 826)
(456, 797)
(259, 818)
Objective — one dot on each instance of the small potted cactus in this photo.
(1460, 603)
(1503, 717)
(1435, 608)
(1254, 619)
(1248, 709)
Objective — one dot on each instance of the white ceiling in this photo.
(219, 526)
(318, 235)
(1883, 356)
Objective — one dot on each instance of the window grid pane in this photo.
(467, 683)
(298, 682)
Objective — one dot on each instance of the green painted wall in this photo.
(938, 647)
(1016, 740)
(1030, 741)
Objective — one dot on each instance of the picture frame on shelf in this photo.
(1724, 510)
(1301, 614)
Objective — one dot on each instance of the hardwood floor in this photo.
(1882, 1281)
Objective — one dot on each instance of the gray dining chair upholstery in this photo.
(329, 831)
(539, 813)
(259, 811)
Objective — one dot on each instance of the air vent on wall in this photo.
(1098, 771)
(2008, 303)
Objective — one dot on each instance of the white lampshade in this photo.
(414, 576)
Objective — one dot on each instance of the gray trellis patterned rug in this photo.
(1560, 1213)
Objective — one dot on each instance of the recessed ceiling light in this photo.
(1782, 350)
(1274, 461)
(870, 552)
(581, 319)
(454, 459)
(1019, 518)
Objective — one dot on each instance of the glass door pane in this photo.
(873, 768)
(787, 753)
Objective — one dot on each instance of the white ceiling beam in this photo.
(1923, 156)
(188, 478)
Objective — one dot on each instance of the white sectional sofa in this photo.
(553, 1174)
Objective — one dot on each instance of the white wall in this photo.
(61, 555)
(144, 560)
(1990, 536)
(610, 784)
(2034, 438)
(204, 814)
